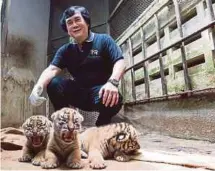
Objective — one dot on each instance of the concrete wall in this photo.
(27, 24)
(31, 19)
(188, 118)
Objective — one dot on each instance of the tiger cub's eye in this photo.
(29, 128)
(42, 126)
(120, 136)
(76, 120)
(61, 123)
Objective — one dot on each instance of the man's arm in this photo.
(118, 70)
(46, 76)
(110, 93)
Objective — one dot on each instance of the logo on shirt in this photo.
(94, 52)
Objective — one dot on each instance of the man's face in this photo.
(77, 27)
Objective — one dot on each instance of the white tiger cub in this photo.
(36, 129)
(64, 144)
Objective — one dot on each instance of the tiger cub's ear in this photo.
(77, 120)
(78, 117)
(49, 123)
(53, 116)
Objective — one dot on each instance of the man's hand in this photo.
(35, 98)
(109, 94)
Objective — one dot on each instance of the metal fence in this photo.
(141, 48)
(122, 16)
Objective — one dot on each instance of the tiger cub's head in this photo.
(126, 140)
(36, 129)
(67, 123)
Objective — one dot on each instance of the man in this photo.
(94, 61)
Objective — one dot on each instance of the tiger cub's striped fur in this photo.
(118, 141)
(36, 129)
(63, 144)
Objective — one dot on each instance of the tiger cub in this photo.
(36, 129)
(118, 141)
(63, 144)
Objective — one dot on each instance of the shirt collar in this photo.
(89, 39)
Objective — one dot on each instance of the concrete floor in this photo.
(112, 165)
(158, 142)
(150, 142)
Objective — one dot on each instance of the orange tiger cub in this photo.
(63, 144)
(118, 141)
(36, 129)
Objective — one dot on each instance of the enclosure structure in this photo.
(170, 75)
(168, 45)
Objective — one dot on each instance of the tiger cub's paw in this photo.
(25, 158)
(75, 164)
(36, 161)
(84, 155)
(49, 164)
(122, 158)
(98, 164)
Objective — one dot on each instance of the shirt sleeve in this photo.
(112, 50)
(59, 57)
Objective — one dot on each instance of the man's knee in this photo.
(54, 85)
(111, 111)
(115, 109)
(55, 94)
(106, 113)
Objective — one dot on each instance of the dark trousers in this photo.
(64, 92)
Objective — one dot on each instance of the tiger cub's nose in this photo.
(71, 128)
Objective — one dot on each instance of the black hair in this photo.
(70, 12)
